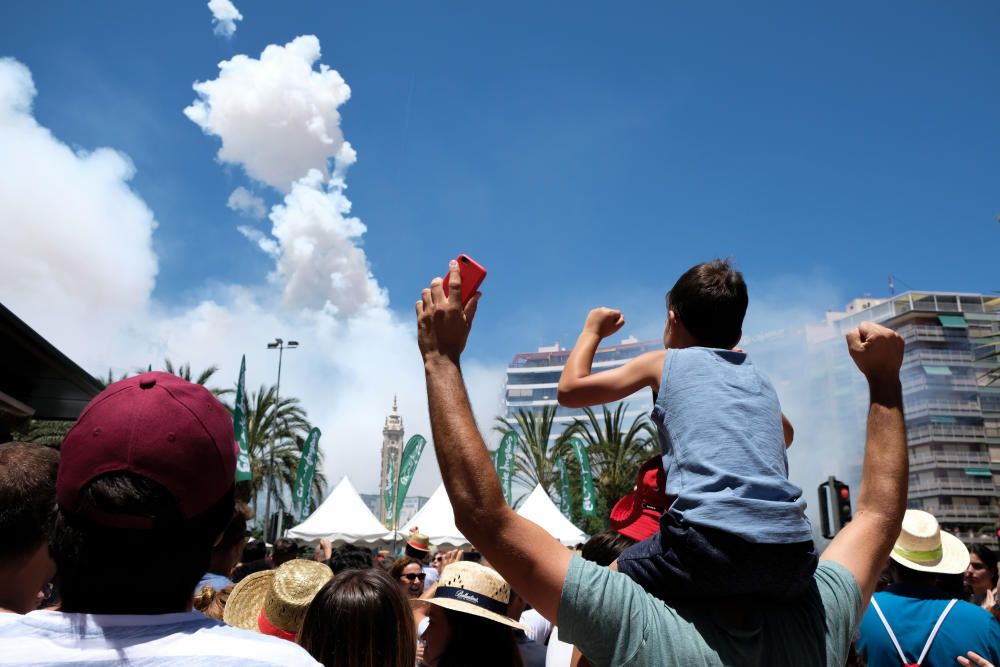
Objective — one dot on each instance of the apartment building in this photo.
(952, 412)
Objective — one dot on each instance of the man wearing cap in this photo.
(915, 621)
(144, 490)
(609, 616)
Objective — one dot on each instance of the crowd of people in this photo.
(128, 545)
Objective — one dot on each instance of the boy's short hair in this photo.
(27, 498)
(710, 299)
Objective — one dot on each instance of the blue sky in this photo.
(585, 155)
(576, 154)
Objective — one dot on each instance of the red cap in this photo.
(158, 426)
(637, 515)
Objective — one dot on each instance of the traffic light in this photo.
(835, 495)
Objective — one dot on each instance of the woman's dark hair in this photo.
(350, 557)
(360, 618)
(168, 559)
(479, 642)
(244, 570)
(604, 548)
(989, 558)
(396, 571)
(711, 300)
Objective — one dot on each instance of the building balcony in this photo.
(953, 383)
(913, 333)
(945, 357)
(964, 514)
(950, 487)
(945, 433)
(917, 409)
(950, 459)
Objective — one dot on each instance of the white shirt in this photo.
(187, 638)
(559, 653)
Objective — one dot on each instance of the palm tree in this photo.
(46, 431)
(535, 456)
(616, 450)
(183, 371)
(283, 422)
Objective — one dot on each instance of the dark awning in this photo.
(38, 376)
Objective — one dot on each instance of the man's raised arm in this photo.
(530, 559)
(864, 544)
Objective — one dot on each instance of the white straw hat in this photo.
(923, 546)
(474, 589)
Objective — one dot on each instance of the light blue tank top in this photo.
(719, 424)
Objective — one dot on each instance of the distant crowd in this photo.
(127, 545)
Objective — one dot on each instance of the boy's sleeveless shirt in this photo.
(719, 425)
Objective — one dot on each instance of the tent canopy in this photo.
(436, 520)
(540, 509)
(343, 518)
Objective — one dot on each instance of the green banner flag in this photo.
(563, 488)
(304, 476)
(243, 473)
(389, 496)
(411, 456)
(504, 463)
(589, 505)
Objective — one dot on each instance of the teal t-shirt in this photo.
(613, 621)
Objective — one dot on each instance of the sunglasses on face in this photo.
(414, 577)
(436, 559)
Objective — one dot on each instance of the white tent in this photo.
(343, 518)
(540, 509)
(436, 520)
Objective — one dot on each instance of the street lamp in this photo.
(279, 345)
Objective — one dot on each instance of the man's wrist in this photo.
(437, 361)
(886, 391)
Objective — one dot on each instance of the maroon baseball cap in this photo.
(637, 515)
(158, 426)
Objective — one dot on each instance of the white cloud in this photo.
(224, 17)
(277, 117)
(76, 238)
(320, 264)
(79, 268)
(247, 203)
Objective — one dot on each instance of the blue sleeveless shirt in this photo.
(719, 425)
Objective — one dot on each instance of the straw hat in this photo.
(274, 602)
(923, 546)
(474, 589)
(419, 541)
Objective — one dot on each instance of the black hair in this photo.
(350, 557)
(284, 550)
(243, 570)
(413, 552)
(254, 550)
(989, 558)
(711, 300)
(360, 618)
(604, 548)
(479, 642)
(168, 559)
(27, 498)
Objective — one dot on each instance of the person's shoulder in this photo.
(838, 587)
(241, 645)
(973, 613)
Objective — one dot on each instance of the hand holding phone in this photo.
(472, 273)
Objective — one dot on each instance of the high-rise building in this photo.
(392, 452)
(532, 378)
(952, 413)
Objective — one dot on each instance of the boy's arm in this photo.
(786, 427)
(578, 387)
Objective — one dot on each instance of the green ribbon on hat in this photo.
(919, 556)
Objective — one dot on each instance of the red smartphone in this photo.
(472, 273)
